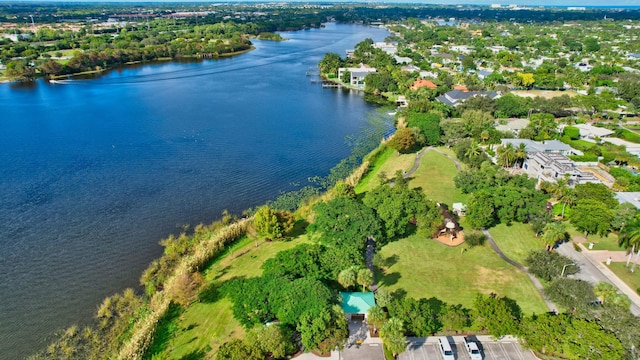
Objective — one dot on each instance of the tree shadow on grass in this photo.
(210, 294)
(166, 329)
(195, 355)
(390, 279)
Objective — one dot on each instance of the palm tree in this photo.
(473, 150)
(392, 335)
(506, 155)
(552, 233)
(364, 277)
(563, 193)
(521, 153)
(630, 239)
(347, 278)
(376, 317)
(605, 291)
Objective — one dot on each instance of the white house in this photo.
(547, 146)
(588, 131)
(357, 75)
(550, 167)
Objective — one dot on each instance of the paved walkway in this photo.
(416, 163)
(534, 280)
(593, 270)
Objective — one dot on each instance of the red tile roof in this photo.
(422, 83)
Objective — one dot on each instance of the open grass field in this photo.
(547, 94)
(426, 268)
(516, 241)
(388, 162)
(208, 324)
(435, 176)
(631, 279)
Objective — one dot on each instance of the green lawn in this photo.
(388, 162)
(426, 268)
(631, 279)
(516, 241)
(207, 325)
(435, 176)
(609, 242)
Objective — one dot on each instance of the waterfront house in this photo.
(357, 75)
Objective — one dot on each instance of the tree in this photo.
(552, 233)
(275, 341)
(330, 64)
(506, 155)
(605, 291)
(377, 317)
(476, 121)
(630, 240)
(592, 217)
(498, 315)
(266, 223)
(480, 210)
(548, 266)
(295, 298)
(393, 337)
(236, 349)
(364, 278)
(185, 287)
(324, 330)
(347, 277)
(403, 140)
(428, 124)
(572, 294)
(599, 192)
(343, 221)
(525, 79)
(400, 207)
(346, 77)
(19, 71)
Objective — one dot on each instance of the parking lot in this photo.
(419, 349)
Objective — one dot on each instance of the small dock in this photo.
(329, 84)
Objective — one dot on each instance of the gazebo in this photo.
(356, 305)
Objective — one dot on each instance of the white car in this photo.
(472, 349)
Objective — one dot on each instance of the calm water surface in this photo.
(94, 173)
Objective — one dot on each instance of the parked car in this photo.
(472, 349)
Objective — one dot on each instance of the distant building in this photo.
(388, 48)
(550, 167)
(422, 83)
(402, 60)
(547, 146)
(457, 97)
(513, 125)
(584, 67)
(588, 131)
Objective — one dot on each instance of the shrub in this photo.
(474, 238)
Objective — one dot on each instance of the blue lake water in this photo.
(94, 173)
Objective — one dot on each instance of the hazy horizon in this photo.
(546, 3)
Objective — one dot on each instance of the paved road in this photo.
(427, 349)
(593, 271)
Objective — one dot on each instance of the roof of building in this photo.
(423, 83)
(541, 146)
(554, 163)
(621, 142)
(513, 125)
(587, 130)
(455, 97)
(357, 302)
(632, 198)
